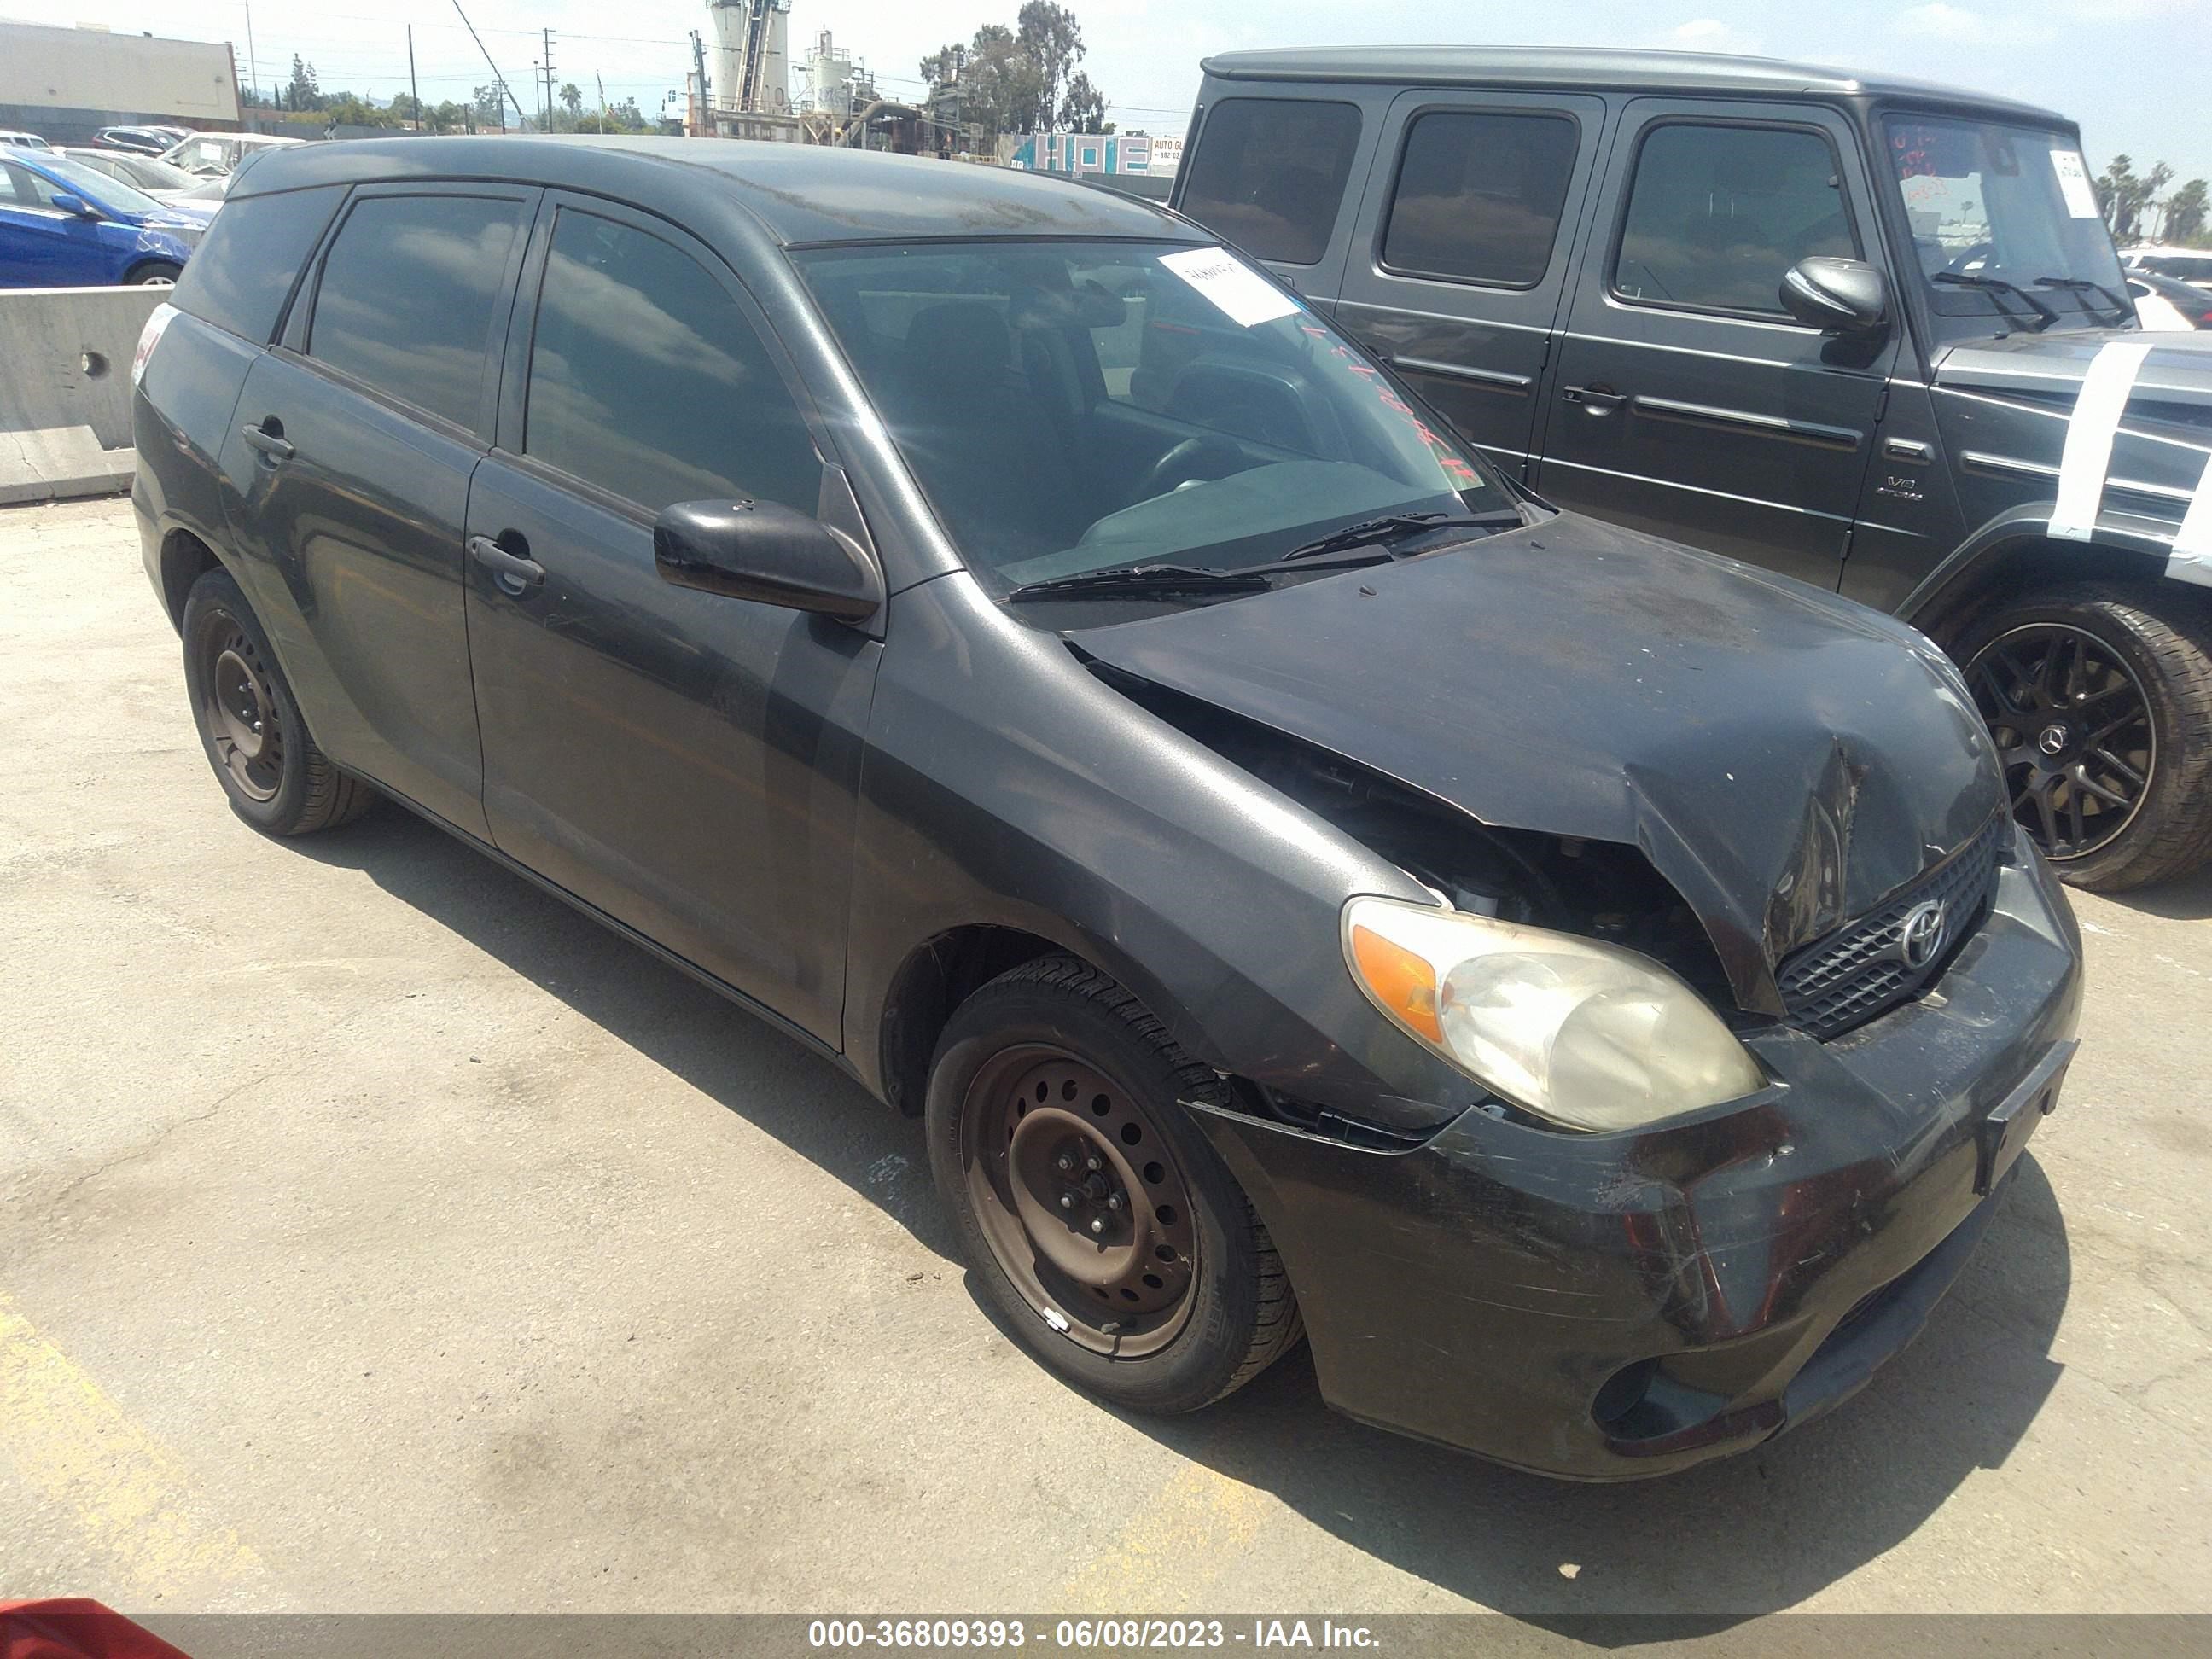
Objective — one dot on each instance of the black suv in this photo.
(1870, 333)
(1006, 640)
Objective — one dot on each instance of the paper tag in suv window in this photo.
(2073, 184)
(149, 336)
(1237, 292)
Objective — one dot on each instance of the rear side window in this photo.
(407, 295)
(238, 279)
(647, 380)
(1478, 196)
(1717, 213)
(1269, 174)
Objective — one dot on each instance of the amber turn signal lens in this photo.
(1401, 982)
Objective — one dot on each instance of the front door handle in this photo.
(269, 438)
(513, 571)
(1598, 399)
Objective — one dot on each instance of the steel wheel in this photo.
(2073, 730)
(238, 710)
(1080, 1199)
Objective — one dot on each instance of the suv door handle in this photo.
(1599, 399)
(269, 438)
(514, 573)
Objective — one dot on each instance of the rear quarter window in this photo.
(239, 277)
(1269, 174)
(1478, 196)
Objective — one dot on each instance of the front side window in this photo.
(1269, 174)
(1716, 215)
(2005, 224)
(1478, 196)
(647, 380)
(407, 293)
(1071, 407)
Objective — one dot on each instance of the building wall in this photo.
(73, 77)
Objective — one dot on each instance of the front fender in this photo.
(2127, 543)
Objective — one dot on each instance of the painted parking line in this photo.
(1178, 1542)
(124, 1491)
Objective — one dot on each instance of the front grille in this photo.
(1858, 971)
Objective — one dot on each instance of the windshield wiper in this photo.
(1137, 580)
(2122, 310)
(2044, 315)
(1394, 527)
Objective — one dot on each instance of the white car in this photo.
(21, 140)
(2193, 265)
(220, 153)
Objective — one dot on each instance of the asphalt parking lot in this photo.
(377, 1234)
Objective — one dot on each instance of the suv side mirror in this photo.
(1837, 296)
(745, 549)
(70, 203)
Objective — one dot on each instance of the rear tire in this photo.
(249, 724)
(2113, 805)
(1177, 1297)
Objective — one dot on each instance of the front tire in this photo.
(2102, 711)
(249, 724)
(1097, 1219)
(155, 273)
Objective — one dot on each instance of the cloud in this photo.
(1938, 20)
(1711, 34)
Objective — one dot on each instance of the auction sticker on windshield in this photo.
(2073, 184)
(1236, 290)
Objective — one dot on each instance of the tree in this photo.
(489, 106)
(302, 92)
(1084, 107)
(2184, 212)
(2125, 194)
(1050, 40)
(572, 99)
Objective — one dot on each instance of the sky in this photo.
(2134, 73)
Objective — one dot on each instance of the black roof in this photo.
(799, 193)
(1609, 69)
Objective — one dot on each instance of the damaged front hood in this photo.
(1784, 757)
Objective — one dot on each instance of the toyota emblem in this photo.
(1921, 935)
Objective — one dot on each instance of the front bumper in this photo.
(1611, 1306)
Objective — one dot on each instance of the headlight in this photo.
(1588, 1034)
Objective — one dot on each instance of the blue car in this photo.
(65, 225)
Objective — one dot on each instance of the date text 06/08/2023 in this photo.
(1083, 1634)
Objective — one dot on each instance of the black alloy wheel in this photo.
(2074, 732)
(2098, 698)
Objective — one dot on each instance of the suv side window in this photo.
(1269, 174)
(647, 380)
(407, 293)
(1479, 195)
(1717, 213)
(239, 277)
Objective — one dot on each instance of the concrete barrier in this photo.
(65, 389)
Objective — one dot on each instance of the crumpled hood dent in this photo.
(1784, 757)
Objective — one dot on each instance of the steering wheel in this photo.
(1192, 460)
(1964, 256)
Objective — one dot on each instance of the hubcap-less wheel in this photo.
(239, 708)
(2073, 731)
(1080, 1198)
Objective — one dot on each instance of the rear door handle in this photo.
(514, 573)
(269, 438)
(1599, 399)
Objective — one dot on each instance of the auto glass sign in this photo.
(1230, 286)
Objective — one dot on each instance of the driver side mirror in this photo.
(1837, 296)
(745, 549)
(70, 203)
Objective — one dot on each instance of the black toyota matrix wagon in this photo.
(1590, 989)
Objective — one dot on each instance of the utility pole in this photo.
(496, 76)
(703, 127)
(252, 67)
(413, 91)
(547, 60)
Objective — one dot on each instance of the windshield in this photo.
(111, 195)
(1069, 407)
(1999, 204)
(147, 173)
